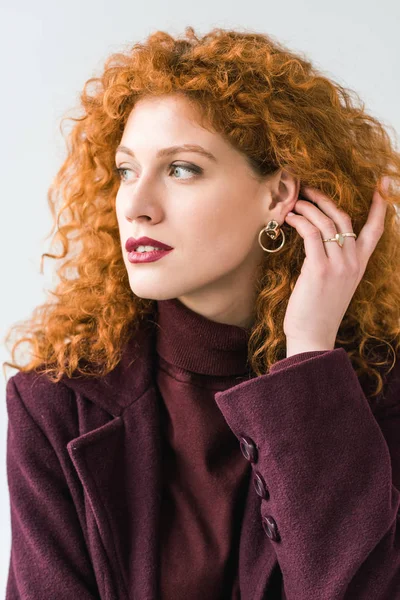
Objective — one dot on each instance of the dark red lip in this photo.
(131, 243)
(145, 257)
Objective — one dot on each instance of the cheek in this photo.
(202, 231)
(222, 225)
(119, 201)
(117, 209)
(124, 225)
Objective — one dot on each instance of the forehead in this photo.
(171, 120)
(173, 107)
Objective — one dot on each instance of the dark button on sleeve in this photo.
(259, 486)
(248, 448)
(270, 528)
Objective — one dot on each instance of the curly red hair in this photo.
(277, 109)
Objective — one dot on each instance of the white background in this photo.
(48, 50)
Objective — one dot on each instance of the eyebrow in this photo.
(172, 150)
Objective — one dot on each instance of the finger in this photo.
(324, 224)
(374, 226)
(314, 248)
(341, 220)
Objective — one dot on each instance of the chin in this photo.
(149, 294)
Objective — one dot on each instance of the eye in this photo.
(194, 170)
(185, 168)
(119, 171)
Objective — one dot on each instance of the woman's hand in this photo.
(330, 274)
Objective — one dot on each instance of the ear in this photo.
(285, 189)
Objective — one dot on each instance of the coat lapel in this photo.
(118, 460)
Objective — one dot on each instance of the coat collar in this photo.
(131, 377)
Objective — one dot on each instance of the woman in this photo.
(209, 410)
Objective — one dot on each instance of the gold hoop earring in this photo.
(273, 231)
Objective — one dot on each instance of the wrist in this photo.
(299, 346)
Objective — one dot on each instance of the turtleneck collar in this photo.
(193, 342)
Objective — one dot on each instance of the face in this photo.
(209, 210)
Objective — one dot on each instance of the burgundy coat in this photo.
(84, 509)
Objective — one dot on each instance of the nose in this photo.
(141, 202)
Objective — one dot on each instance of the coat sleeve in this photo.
(331, 472)
(49, 558)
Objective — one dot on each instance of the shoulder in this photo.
(33, 384)
(64, 410)
(36, 391)
(38, 407)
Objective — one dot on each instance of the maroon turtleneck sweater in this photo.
(206, 477)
